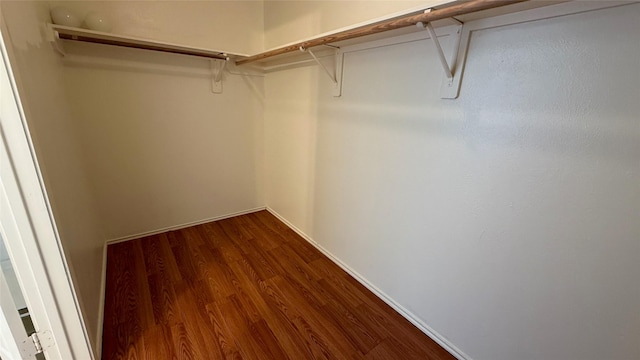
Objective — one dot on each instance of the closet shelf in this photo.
(448, 10)
(77, 34)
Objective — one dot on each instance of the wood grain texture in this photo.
(245, 288)
(457, 9)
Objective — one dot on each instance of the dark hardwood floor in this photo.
(245, 288)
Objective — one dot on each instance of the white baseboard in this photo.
(435, 336)
(182, 226)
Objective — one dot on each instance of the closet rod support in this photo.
(55, 40)
(436, 42)
(217, 67)
(315, 58)
(218, 75)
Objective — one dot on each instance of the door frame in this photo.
(31, 236)
(12, 332)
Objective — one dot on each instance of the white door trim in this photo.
(12, 332)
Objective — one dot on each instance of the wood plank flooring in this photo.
(245, 288)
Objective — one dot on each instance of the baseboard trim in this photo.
(434, 335)
(185, 225)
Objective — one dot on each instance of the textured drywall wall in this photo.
(39, 75)
(505, 220)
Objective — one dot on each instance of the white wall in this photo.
(162, 149)
(39, 75)
(505, 220)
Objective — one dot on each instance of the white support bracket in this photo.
(443, 59)
(336, 76)
(54, 39)
(217, 69)
(452, 78)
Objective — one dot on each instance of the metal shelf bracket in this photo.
(436, 42)
(54, 39)
(217, 68)
(336, 76)
(451, 83)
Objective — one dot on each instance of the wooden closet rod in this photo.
(116, 40)
(386, 25)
